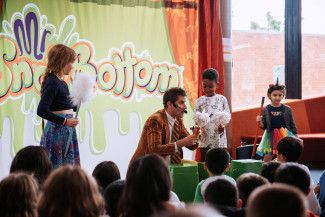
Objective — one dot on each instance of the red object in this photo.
(210, 42)
(196, 130)
(257, 127)
(197, 155)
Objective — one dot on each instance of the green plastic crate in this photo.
(203, 173)
(185, 178)
(238, 167)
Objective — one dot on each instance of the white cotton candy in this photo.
(82, 88)
(201, 119)
(220, 118)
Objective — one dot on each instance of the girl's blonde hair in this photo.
(58, 57)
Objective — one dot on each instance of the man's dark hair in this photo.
(210, 74)
(171, 95)
(291, 148)
(293, 174)
(217, 160)
(269, 169)
(246, 183)
(221, 193)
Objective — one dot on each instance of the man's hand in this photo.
(190, 140)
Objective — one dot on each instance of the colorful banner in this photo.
(133, 47)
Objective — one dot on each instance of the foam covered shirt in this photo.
(217, 108)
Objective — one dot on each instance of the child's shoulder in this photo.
(201, 97)
(221, 98)
(200, 100)
(286, 106)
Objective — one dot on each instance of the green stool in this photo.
(238, 167)
(185, 178)
(203, 173)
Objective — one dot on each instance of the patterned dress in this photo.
(61, 143)
(218, 110)
(279, 123)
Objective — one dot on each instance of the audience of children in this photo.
(247, 183)
(33, 160)
(289, 149)
(268, 170)
(18, 196)
(105, 173)
(146, 191)
(277, 200)
(112, 196)
(223, 196)
(295, 175)
(69, 191)
(216, 162)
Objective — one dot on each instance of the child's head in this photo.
(276, 93)
(60, 60)
(217, 160)
(293, 174)
(112, 195)
(247, 182)
(18, 195)
(148, 186)
(289, 149)
(210, 79)
(105, 173)
(59, 57)
(70, 191)
(221, 192)
(277, 200)
(269, 169)
(33, 160)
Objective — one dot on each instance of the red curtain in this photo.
(182, 20)
(196, 39)
(210, 42)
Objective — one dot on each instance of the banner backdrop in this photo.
(137, 50)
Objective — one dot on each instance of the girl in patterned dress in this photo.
(59, 136)
(277, 121)
(212, 115)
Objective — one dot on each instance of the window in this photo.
(313, 48)
(258, 49)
